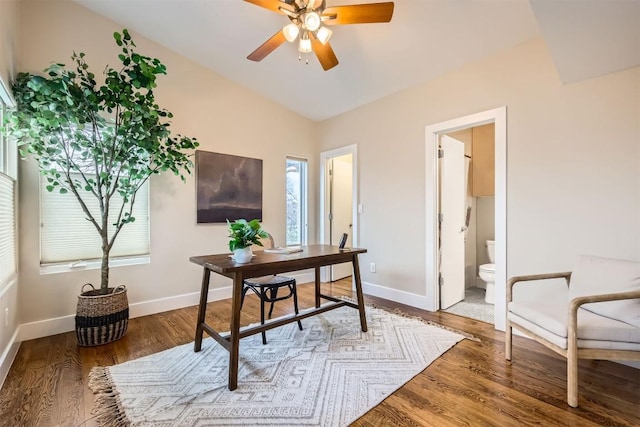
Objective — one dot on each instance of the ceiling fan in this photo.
(308, 18)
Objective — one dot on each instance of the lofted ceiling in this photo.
(425, 39)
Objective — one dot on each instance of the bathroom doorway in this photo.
(338, 197)
(466, 176)
(475, 252)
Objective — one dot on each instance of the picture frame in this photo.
(228, 187)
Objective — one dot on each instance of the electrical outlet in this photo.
(6, 317)
(372, 267)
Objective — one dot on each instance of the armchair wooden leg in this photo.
(572, 362)
(572, 380)
(508, 340)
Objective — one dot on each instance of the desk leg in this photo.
(202, 309)
(317, 287)
(234, 339)
(356, 275)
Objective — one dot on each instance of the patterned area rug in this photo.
(329, 374)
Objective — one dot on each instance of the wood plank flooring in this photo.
(470, 385)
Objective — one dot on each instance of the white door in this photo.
(341, 208)
(452, 211)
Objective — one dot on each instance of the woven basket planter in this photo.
(101, 319)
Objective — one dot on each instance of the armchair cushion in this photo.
(549, 321)
(594, 275)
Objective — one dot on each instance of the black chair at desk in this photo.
(266, 288)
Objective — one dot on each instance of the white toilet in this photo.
(488, 273)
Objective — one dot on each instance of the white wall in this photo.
(8, 38)
(573, 164)
(225, 117)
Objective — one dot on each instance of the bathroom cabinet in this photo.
(483, 160)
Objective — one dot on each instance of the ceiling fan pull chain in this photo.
(306, 57)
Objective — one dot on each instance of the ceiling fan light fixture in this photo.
(312, 21)
(323, 34)
(304, 45)
(291, 32)
(307, 21)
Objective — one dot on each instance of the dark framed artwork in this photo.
(227, 187)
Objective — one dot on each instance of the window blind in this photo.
(7, 230)
(67, 235)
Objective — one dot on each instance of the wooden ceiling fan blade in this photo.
(273, 5)
(324, 52)
(358, 13)
(267, 47)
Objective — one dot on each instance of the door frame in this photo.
(433, 132)
(325, 156)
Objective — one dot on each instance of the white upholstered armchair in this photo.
(596, 315)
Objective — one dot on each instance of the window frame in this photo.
(93, 263)
(9, 171)
(304, 200)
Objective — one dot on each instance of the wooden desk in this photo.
(262, 264)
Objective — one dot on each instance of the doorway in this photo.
(433, 134)
(338, 199)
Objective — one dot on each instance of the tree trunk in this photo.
(104, 276)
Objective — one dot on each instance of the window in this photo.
(66, 235)
(296, 201)
(8, 159)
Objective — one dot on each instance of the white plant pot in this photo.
(243, 255)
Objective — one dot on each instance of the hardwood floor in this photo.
(470, 385)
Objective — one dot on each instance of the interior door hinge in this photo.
(440, 154)
(440, 217)
(440, 280)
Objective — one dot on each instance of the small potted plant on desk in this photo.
(243, 235)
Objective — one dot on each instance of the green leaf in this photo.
(66, 111)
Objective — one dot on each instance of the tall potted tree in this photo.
(96, 140)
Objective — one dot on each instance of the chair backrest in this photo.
(595, 275)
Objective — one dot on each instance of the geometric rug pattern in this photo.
(328, 374)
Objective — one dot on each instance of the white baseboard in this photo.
(59, 325)
(8, 356)
(402, 297)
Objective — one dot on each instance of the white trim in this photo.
(499, 117)
(8, 356)
(325, 156)
(402, 297)
(92, 264)
(59, 325)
